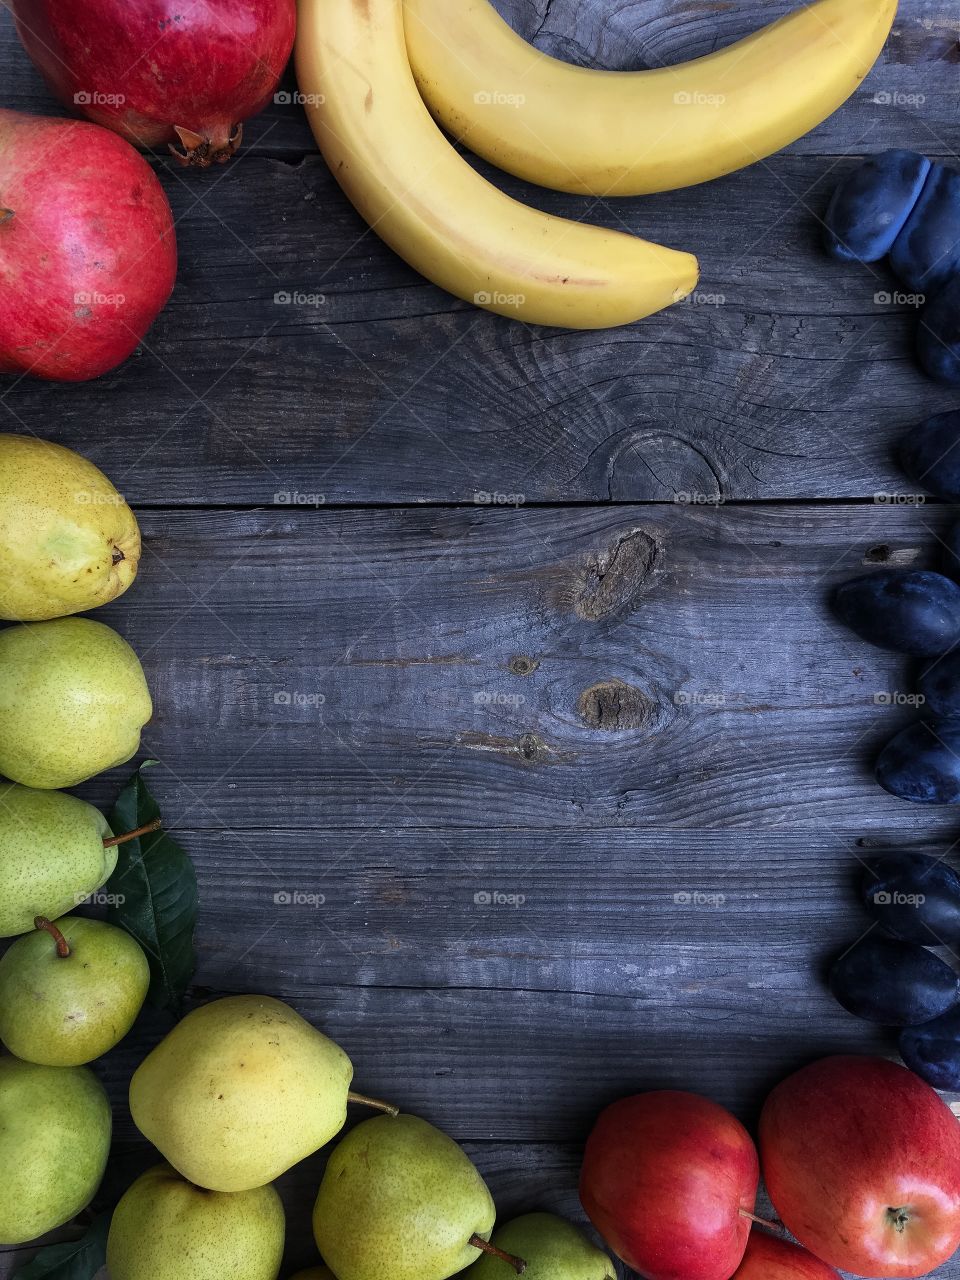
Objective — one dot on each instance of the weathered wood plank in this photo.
(787, 379)
(584, 668)
(795, 383)
(920, 59)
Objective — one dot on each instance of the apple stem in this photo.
(763, 1222)
(63, 947)
(485, 1246)
(362, 1100)
(5, 214)
(132, 835)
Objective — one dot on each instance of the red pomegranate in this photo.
(163, 71)
(88, 253)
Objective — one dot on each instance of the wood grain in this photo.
(675, 666)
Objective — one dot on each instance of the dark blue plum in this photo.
(933, 1050)
(922, 763)
(898, 984)
(939, 686)
(926, 253)
(938, 336)
(913, 897)
(911, 611)
(871, 206)
(930, 454)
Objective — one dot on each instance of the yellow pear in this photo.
(165, 1229)
(73, 700)
(240, 1090)
(68, 540)
(55, 1128)
(55, 850)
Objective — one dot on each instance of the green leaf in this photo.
(76, 1260)
(154, 892)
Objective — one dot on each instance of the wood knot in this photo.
(613, 705)
(616, 577)
(521, 665)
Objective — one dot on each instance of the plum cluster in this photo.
(891, 976)
(900, 205)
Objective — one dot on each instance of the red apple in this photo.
(668, 1179)
(768, 1258)
(862, 1162)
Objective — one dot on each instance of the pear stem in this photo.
(132, 835)
(362, 1100)
(763, 1222)
(63, 947)
(485, 1246)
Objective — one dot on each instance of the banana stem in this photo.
(362, 1100)
(763, 1222)
(485, 1246)
(63, 947)
(132, 835)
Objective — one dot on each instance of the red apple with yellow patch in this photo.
(862, 1163)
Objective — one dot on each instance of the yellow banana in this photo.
(630, 133)
(436, 211)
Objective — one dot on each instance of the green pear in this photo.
(70, 992)
(240, 1090)
(552, 1248)
(166, 1229)
(73, 700)
(401, 1201)
(68, 541)
(52, 855)
(55, 1128)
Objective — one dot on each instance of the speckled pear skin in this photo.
(66, 1010)
(73, 700)
(68, 541)
(165, 1229)
(552, 1248)
(55, 1127)
(51, 855)
(239, 1091)
(399, 1201)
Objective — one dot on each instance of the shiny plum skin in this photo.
(938, 335)
(922, 763)
(897, 984)
(913, 897)
(932, 1050)
(871, 206)
(939, 686)
(926, 253)
(145, 68)
(930, 454)
(109, 260)
(911, 611)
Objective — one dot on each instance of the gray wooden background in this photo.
(571, 778)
